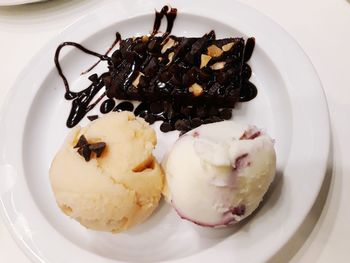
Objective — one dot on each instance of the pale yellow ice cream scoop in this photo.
(120, 188)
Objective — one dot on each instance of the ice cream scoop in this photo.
(217, 174)
(105, 175)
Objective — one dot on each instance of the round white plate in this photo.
(290, 106)
(17, 2)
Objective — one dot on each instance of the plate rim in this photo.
(18, 2)
(69, 30)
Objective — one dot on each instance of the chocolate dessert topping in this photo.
(107, 106)
(85, 152)
(166, 127)
(92, 117)
(97, 148)
(124, 106)
(85, 149)
(81, 142)
(177, 79)
(170, 16)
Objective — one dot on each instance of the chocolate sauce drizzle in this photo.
(170, 16)
(82, 100)
(248, 89)
(69, 95)
(81, 103)
(117, 39)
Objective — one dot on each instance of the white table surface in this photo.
(322, 28)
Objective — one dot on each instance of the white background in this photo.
(321, 27)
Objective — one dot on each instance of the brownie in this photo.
(182, 81)
(189, 71)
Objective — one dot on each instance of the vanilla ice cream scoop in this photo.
(217, 174)
(105, 175)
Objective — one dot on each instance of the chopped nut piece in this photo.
(214, 51)
(218, 65)
(170, 57)
(149, 163)
(196, 89)
(144, 38)
(228, 46)
(204, 60)
(137, 79)
(169, 44)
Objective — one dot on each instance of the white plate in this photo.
(290, 106)
(17, 2)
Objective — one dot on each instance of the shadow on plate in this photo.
(297, 241)
(164, 236)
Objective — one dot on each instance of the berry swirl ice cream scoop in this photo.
(217, 174)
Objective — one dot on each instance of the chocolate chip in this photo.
(151, 67)
(107, 106)
(248, 91)
(213, 111)
(170, 113)
(248, 51)
(140, 49)
(124, 106)
(182, 125)
(143, 114)
(153, 45)
(93, 78)
(165, 76)
(150, 118)
(143, 106)
(202, 112)
(133, 91)
(207, 121)
(92, 117)
(195, 122)
(143, 83)
(85, 152)
(156, 107)
(225, 114)
(246, 71)
(85, 148)
(97, 148)
(116, 57)
(216, 119)
(186, 110)
(166, 127)
(188, 79)
(81, 142)
(175, 81)
(213, 90)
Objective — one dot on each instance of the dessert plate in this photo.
(290, 105)
(17, 2)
